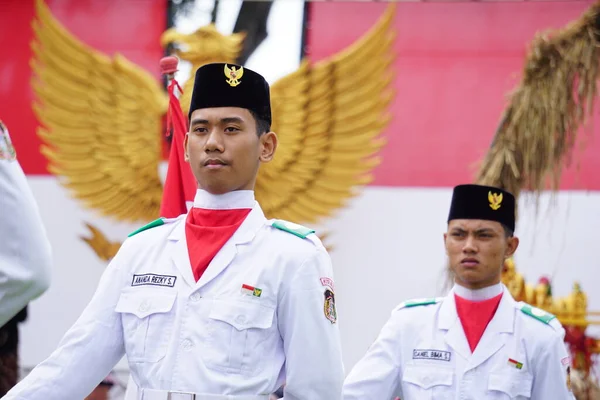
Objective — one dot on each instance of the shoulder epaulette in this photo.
(419, 302)
(153, 224)
(537, 313)
(294, 229)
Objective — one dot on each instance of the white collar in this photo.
(227, 201)
(485, 293)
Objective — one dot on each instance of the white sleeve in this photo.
(88, 351)
(311, 339)
(552, 367)
(25, 256)
(377, 375)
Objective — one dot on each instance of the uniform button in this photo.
(145, 305)
(195, 297)
(187, 344)
(240, 319)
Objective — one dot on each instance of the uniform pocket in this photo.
(427, 382)
(238, 335)
(510, 385)
(147, 322)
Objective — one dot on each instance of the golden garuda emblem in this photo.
(101, 121)
(495, 200)
(233, 76)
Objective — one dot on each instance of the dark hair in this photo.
(507, 231)
(262, 126)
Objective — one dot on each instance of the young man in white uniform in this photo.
(477, 342)
(25, 257)
(219, 303)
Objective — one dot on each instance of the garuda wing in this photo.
(101, 122)
(328, 117)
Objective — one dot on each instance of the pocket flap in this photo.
(428, 376)
(513, 384)
(242, 315)
(142, 303)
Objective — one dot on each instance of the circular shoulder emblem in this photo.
(7, 150)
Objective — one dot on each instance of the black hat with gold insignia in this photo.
(483, 202)
(230, 85)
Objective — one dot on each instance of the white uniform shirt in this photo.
(25, 256)
(209, 337)
(422, 354)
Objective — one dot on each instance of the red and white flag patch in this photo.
(251, 290)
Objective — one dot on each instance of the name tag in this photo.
(153, 279)
(419, 354)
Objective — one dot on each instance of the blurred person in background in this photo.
(25, 257)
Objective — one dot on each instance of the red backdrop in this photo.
(130, 27)
(456, 62)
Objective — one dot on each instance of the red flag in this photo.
(180, 184)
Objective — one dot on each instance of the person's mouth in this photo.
(214, 163)
(469, 262)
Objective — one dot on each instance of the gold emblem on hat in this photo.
(495, 200)
(233, 75)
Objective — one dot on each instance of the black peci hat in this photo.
(230, 85)
(483, 202)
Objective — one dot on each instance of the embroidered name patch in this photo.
(153, 279)
(419, 354)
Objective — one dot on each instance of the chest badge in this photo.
(251, 290)
(515, 363)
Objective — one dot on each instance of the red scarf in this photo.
(475, 316)
(207, 231)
